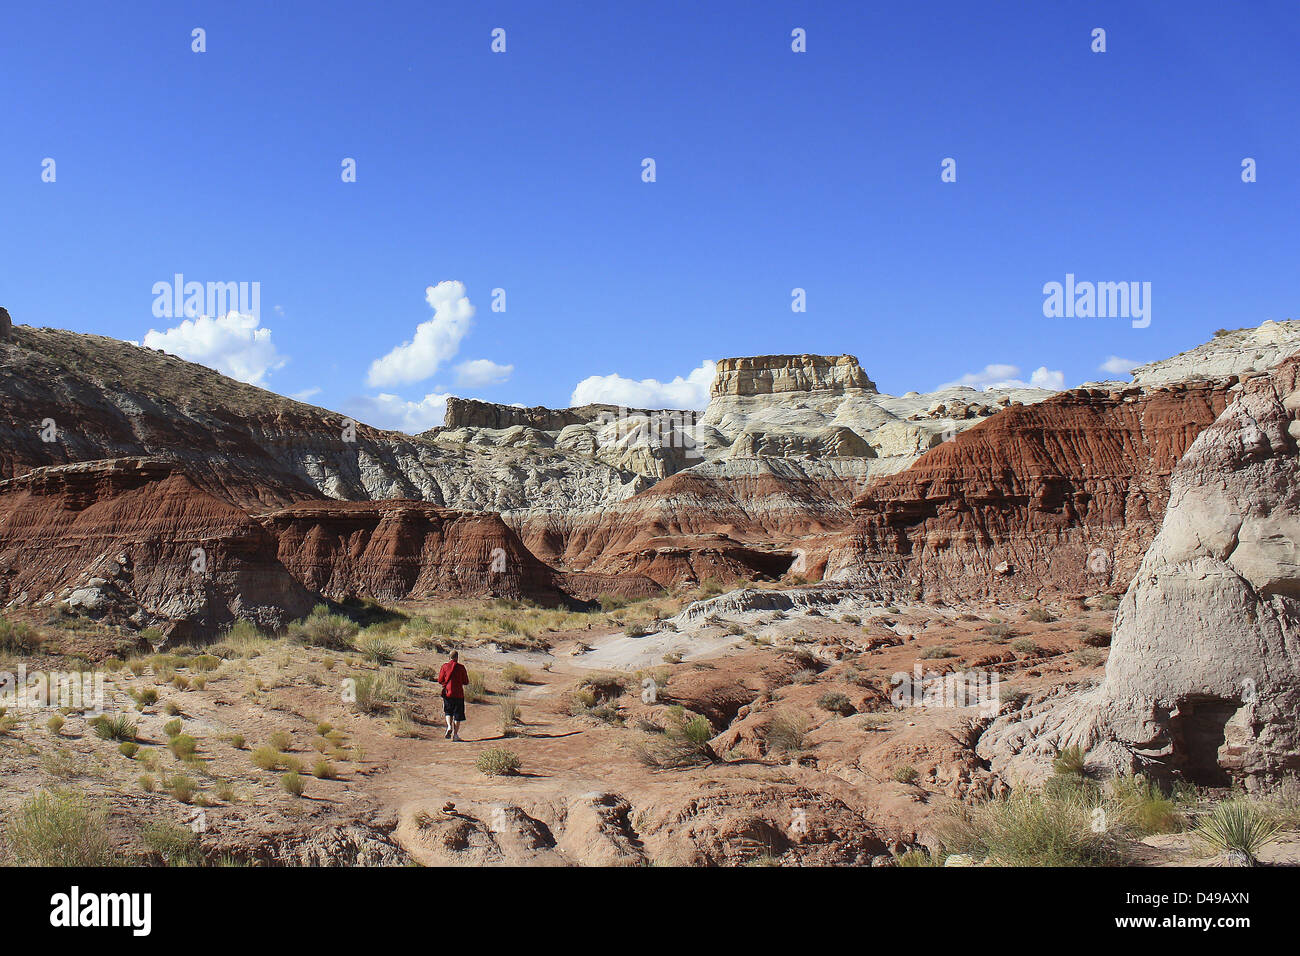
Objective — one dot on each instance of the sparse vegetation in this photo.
(498, 762)
(1237, 826)
(58, 828)
(786, 731)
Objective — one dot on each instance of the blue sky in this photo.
(523, 171)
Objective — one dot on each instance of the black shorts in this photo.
(454, 707)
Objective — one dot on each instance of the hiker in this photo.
(453, 677)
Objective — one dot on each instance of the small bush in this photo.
(515, 674)
(183, 788)
(117, 727)
(937, 653)
(281, 740)
(172, 728)
(324, 770)
(1040, 615)
(266, 758)
(55, 724)
(236, 741)
(380, 691)
(498, 762)
(376, 650)
(509, 707)
(128, 749)
(174, 843)
(56, 828)
(836, 702)
(905, 774)
(1025, 646)
(1237, 826)
(293, 783)
(183, 746)
(786, 731)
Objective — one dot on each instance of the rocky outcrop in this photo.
(471, 413)
(780, 374)
(1230, 352)
(1065, 494)
(1203, 678)
(136, 541)
(397, 550)
(6, 324)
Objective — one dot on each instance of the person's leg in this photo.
(449, 726)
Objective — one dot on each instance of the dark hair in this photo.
(455, 655)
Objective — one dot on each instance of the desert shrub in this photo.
(117, 727)
(172, 728)
(636, 630)
(376, 650)
(182, 788)
(281, 740)
(515, 674)
(1071, 760)
(55, 724)
(172, 842)
(1105, 602)
(498, 762)
(147, 783)
(1145, 806)
(18, 637)
(380, 691)
(509, 708)
(57, 828)
(937, 653)
(999, 630)
(786, 731)
(183, 746)
(266, 758)
(915, 858)
(323, 629)
(683, 743)
(293, 783)
(836, 702)
(1237, 826)
(322, 769)
(1024, 645)
(128, 749)
(144, 697)
(1035, 829)
(476, 689)
(1040, 615)
(236, 741)
(1098, 637)
(905, 774)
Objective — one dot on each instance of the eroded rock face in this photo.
(135, 540)
(1203, 678)
(394, 550)
(1065, 494)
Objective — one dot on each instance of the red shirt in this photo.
(453, 677)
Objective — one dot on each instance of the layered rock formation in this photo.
(1065, 494)
(137, 541)
(395, 550)
(1203, 678)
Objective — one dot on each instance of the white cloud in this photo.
(479, 372)
(691, 392)
(306, 394)
(391, 411)
(233, 345)
(1008, 376)
(436, 340)
(1118, 366)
